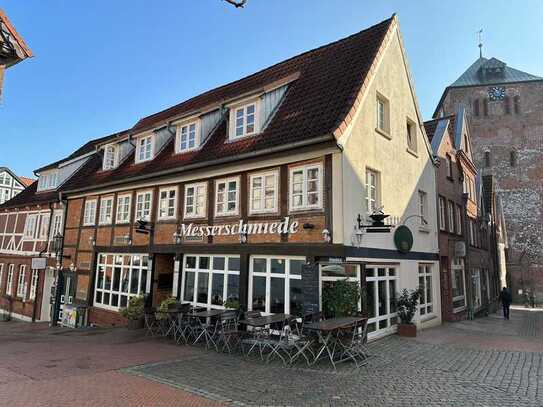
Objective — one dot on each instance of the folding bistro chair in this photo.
(229, 336)
(152, 326)
(354, 344)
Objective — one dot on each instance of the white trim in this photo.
(262, 176)
(427, 272)
(304, 193)
(106, 218)
(119, 205)
(225, 211)
(33, 284)
(9, 279)
(167, 199)
(21, 285)
(243, 105)
(388, 316)
(139, 215)
(179, 127)
(195, 186)
(151, 138)
(116, 152)
(89, 213)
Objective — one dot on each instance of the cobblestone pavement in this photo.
(432, 370)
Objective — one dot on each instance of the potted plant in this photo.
(406, 304)
(164, 306)
(232, 303)
(134, 312)
(340, 299)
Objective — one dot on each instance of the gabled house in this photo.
(11, 184)
(470, 281)
(260, 192)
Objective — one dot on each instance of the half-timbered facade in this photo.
(11, 184)
(260, 190)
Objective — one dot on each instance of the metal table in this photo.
(208, 330)
(265, 320)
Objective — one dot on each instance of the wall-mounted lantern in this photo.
(326, 236)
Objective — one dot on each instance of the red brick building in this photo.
(470, 278)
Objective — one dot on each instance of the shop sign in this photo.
(403, 239)
(39, 263)
(284, 226)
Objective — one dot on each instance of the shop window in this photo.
(458, 284)
(426, 304)
(123, 208)
(106, 211)
(275, 285)
(306, 187)
(227, 197)
(143, 205)
(263, 192)
(89, 215)
(195, 200)
(167, 203)
(118, 278)
(210, 281)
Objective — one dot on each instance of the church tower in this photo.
(505, 110)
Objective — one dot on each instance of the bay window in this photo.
(263, 192)
(143, 205)
(167, 203)
(123, 208)
(227, 197)
(195, 200)
(106, 211)
(120, 277)
(306, 187)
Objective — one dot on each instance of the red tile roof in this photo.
(328, 84)
(29, 196)
(26, 181)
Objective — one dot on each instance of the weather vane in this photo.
(480, 39)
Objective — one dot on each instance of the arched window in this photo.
(487, 159)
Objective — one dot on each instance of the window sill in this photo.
(383, 133)
(427, 317)
(167, 220)
(424, 229)
(191, 218)
(460, 309)
(412, 152)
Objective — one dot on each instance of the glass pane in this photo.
(278, 266)
(233, 264)
(382, 297)
(277, 292)
(202, 289)
(370, 292)
(381, 272)
(136, 260)
(259, 265)
(218, 263)
(107, 281)
(428, 288)
(371, 327)
(421, 285)
(204, 262)
(106, 299)
(296, 299)
(100, 281)
(232, 292)
(124, 301)
(259, 293)
(116, 279)
(392, 295)
(143, 281)
(370, 272)
(383, 324)
(217, 285)
(134, 281)
(115, 300)
(124, 281)
(296, 267)
(189, 287)
(190, 262)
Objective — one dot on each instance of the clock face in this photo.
(496, 93)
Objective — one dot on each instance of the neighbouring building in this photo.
(11, 184)
(13, 49)
(470, 278)
(259, 192)
(505, 109)
(29, 223)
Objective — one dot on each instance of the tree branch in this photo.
(237, 4)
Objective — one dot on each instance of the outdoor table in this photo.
(265, 320)
(261, 340)
(327, 332)
(208, 329)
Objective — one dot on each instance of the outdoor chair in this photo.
(152, 326)
(291, 344)
(228, 334)
(353, 343)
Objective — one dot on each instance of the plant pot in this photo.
(407, 330)
(135, 323)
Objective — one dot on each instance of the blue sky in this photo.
(100, 65)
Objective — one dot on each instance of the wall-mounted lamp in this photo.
(73, 268)
(243, 237)
(326, 235)
(176, 237)
(92, 241)
(357, 235)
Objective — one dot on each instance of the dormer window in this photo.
(144, 149)
(111, 157)
(48, 180)
(244, 120)
(187, 137)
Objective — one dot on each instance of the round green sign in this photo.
(403, 239)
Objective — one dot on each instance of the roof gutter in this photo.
(317, 140)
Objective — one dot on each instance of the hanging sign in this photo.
(403, 239)
(254, 228)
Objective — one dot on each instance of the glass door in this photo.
(381, 288)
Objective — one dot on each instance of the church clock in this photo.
(496, 93)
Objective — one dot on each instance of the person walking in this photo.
(506, 299)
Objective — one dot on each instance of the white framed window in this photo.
(111, 157)
(263, 192)
(21, 283)
(442, 213)
(373, 190)
(48, 180)
(167, 203)
(382, 114)
(449, 166)
(382, 284)
(56, 228)
(458, 219)
(210, 281)
(123, 208)
(1, 275)
(458, 284)
(89, 215)
(31, 226)
(9, 281)
(275, 285)
(144, 201)
(426, 304)
(306, 187)
(44, 226)
(106, 211)
(244, 120)
(451, 216)
(227, 196)
(195, 200)
(34, 284)
(411, 130)
(187, 137)
(144, 148)
(120, 277)
(423, 208)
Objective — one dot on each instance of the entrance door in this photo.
(67, 296)
(381, 287)
(477, 289)
(330, 273)
(49, 280)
